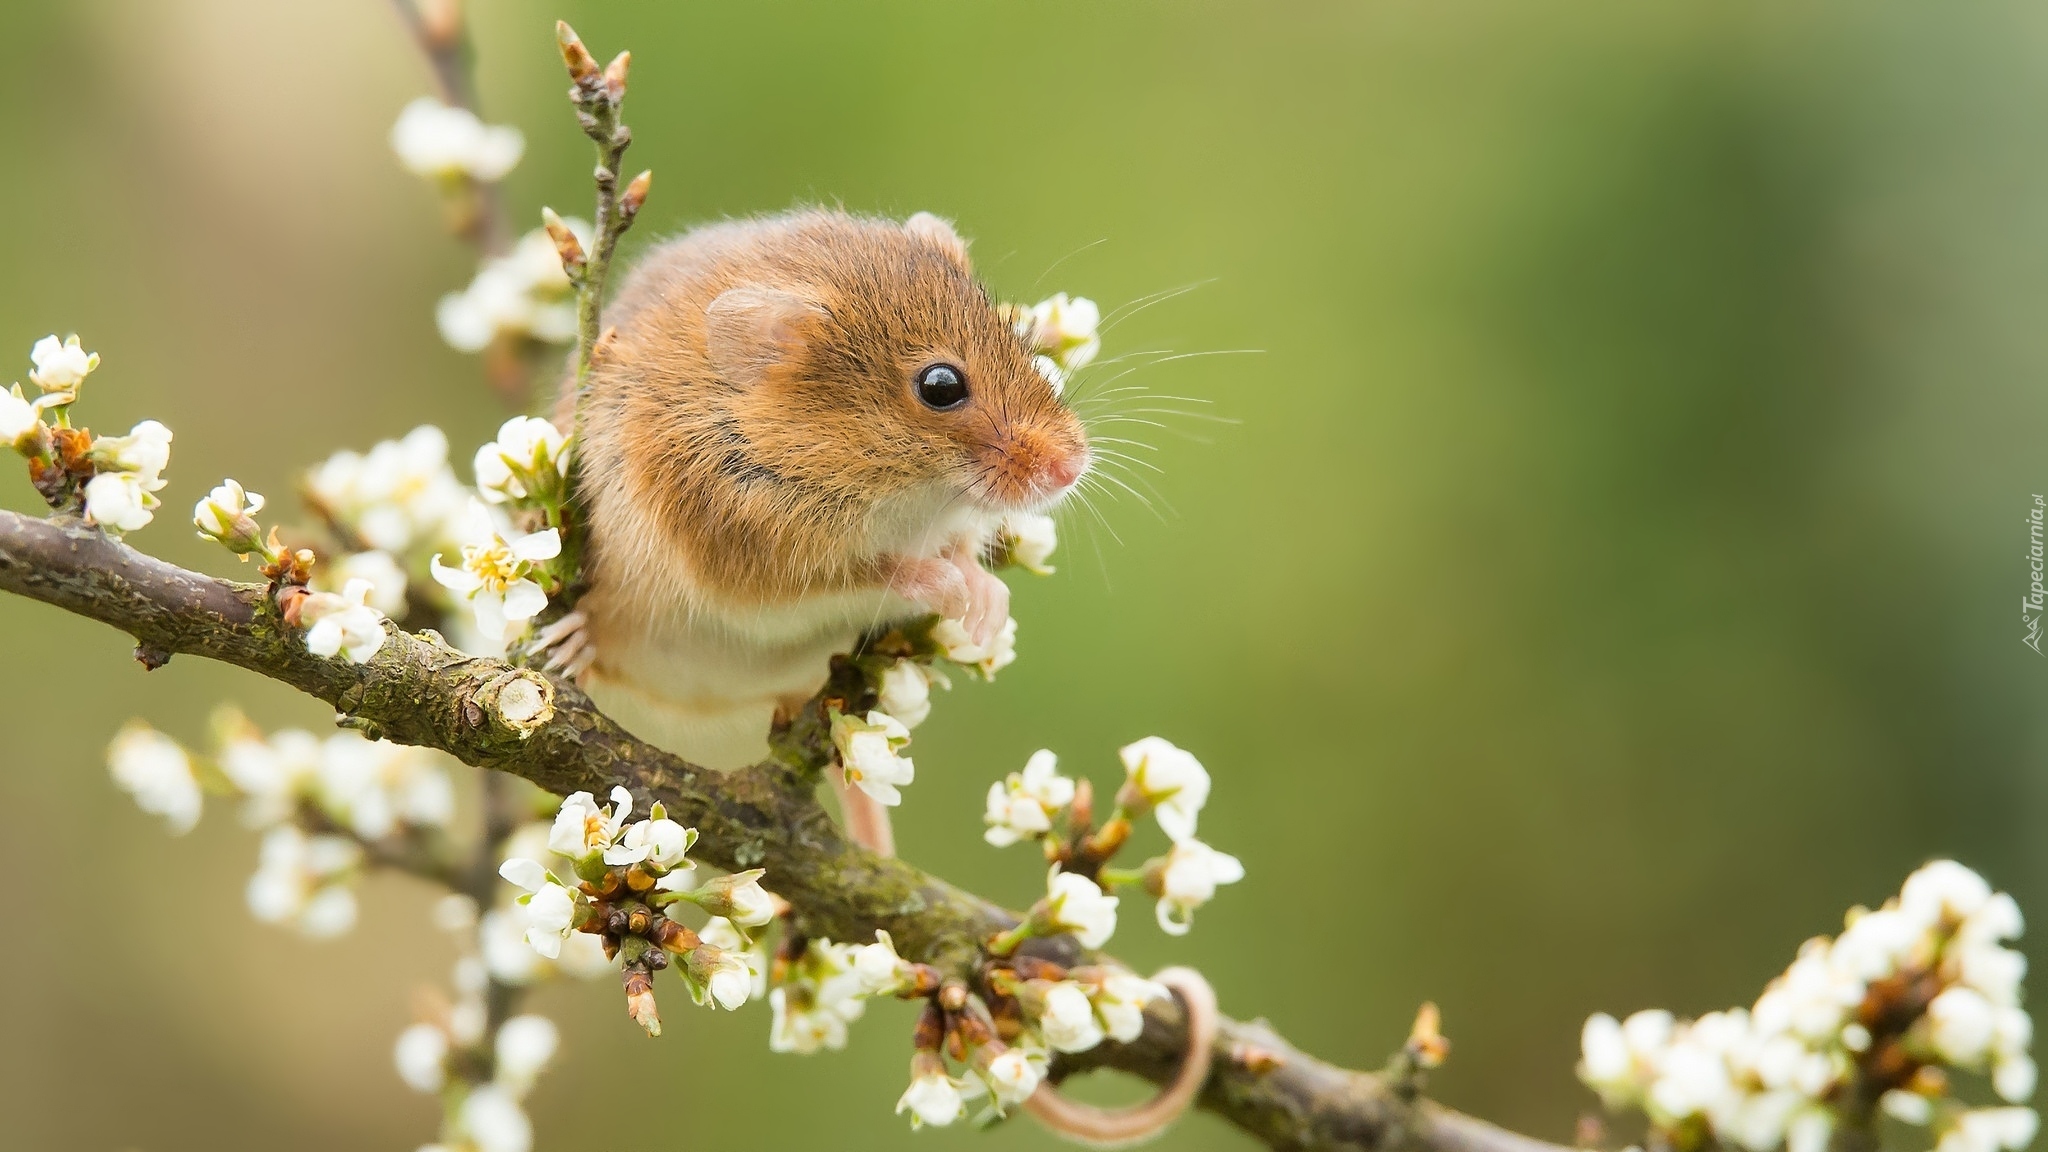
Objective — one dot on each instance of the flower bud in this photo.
(718, 977)
(1064, 1014)
(61, 367)
(567, 246)
(932, 1097)
(640, 1005)
(877, 968)
(21, 424)
(228, 516)
(1075, 904)
(1165, 780)
(635, 195)
(582, 66)
(738, 898)
(615, 76)
(1012, 1074)
(1028, 540)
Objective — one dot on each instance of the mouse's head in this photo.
(876, 366)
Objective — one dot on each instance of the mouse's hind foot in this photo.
(570, 650)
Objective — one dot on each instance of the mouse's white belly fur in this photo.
(702, 677)
(705, 684)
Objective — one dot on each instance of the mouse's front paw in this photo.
(933, 582)
(570, 649)
(988, 601)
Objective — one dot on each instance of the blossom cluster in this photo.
(626, 884)
(441, 1056)
(112, 479)
(401, 497)
(1905, 997)
(317, 802)
(524, 295)
(994, 1040)
(1161, 780)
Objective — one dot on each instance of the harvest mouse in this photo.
(805, 426)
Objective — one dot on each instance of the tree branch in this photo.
(418, 690)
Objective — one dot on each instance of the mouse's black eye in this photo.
(942, 386)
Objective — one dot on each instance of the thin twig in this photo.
(599, 97)
(442, 34)
(417, 690)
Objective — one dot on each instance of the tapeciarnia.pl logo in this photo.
(2036, 598)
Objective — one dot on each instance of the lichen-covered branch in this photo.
(418, 690)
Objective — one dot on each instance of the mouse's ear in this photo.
(750, 330)
(938, 232)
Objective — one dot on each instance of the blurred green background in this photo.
(1609, 575)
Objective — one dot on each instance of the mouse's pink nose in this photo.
(1061, 470)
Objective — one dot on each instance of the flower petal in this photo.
(524, 600)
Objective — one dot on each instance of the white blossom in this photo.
(373, 786)
(582, 829)
(145, 450)
(1029, 538)
(550, 907)
(661, 843)
(454, 912)
(121, 501)
(2013, 1078)
(932, 1098)
(1066, 1018)
(906, 692)
(1075, 904)
(1990, 1130)
(388, 582)
(399, 495)
(802, 1025)
(529, 453)
(154, 769)
(496, 575)
(271, 774)
(1168, 781)
(1962, 1025)
(1022, 805)
(1187, 880)
(495, 1122)
(422, 1057)
(1120, 998)
(61, 366)
(1013, 1074)
(869, 754)
(440, 142)
(1063, 330)
(821, 994)
(21, 421)
(343, 623)
(728, 981)
(1943, 890)
(227, 516)
(523, 1048)
(876, 967)
(524, 294)
(303, 881)
(985, 659)
(721, 933)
